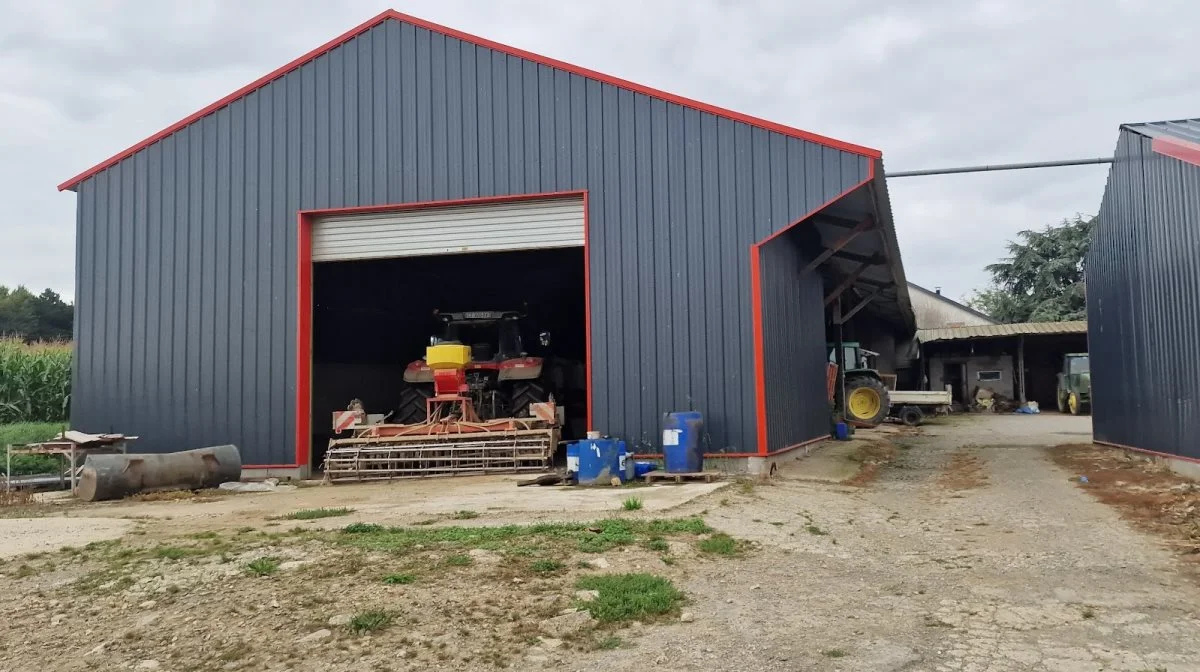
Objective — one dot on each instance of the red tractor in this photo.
(502, 378)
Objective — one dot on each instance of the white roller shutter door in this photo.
(493, 227)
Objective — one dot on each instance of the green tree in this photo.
(1042, 278)
(44, 317)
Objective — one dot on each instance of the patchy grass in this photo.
(815, 530)
(546, 566)
(362, 528)
(459, 560)
(609, 643)
(720, 544)
(174, 552)
(658, 545)
(632, 504)
(628, 597)
(465, 515)
(314, 514)
(834, 653)
(263, 566)
(1088, 613)
(399, 579)
(370, 621)
(586, 537)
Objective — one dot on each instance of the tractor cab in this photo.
(1075, 384)
(491, 335)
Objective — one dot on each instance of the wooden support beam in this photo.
(862, 227)
(846, 284)
(859, 306)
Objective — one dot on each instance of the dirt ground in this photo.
(972, 545)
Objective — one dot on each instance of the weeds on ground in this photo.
(465, 515)
(833, 653)
(658, 544)
(370, 621)
(609, 643)
(1088, 613)
(174, 552)
(399, 579)
(459, 560)
(263, 566)
(720, 544)
(815, 530)
(587, 537)
(628, 597)
(313, 514)
(632, 504)
(546, 566)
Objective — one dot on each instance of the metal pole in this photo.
(1000, 166)
(8, 467)
(839, 358)
(1021, 366)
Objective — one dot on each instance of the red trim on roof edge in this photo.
(1175, 148)
(483, 42)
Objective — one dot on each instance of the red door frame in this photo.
(304, 264)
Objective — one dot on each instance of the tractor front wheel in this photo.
(866, 401)
(1074, 404)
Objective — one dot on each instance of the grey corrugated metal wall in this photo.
(1143, 294)
(794, 351)
(186, 272)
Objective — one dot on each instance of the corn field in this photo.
(35, 381)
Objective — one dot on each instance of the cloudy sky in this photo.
(932, 83)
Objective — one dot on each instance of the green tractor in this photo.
(1075, 384)
(867, 401)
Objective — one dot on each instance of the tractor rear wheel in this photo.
(524, 393)
(866, 400)
(412, 404)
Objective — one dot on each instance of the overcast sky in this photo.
(931, 83)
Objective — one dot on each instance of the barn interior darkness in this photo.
(371, 318)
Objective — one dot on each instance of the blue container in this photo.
(841, 431)
(682, 452)
(573, 457)
(640, 468)
(599, 460)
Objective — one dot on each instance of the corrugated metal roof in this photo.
(1183, 129)
(994, 330)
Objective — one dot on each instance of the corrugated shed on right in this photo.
(1143, 295)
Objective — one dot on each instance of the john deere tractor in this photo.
(1075, 384)
(867, 399)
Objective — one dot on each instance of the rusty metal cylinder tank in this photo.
(115, 476)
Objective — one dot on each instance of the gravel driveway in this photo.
(969, 551)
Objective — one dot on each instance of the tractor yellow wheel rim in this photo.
(1073, 402)
(864, 403)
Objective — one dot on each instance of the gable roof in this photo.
(956, 304)
(1179, 139)
(1180, 129)
(482, 42)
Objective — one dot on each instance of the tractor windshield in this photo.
(1079, 365)
(487, 340)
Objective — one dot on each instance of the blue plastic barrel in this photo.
(682, 450)
(841, 431)
(599, 461)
